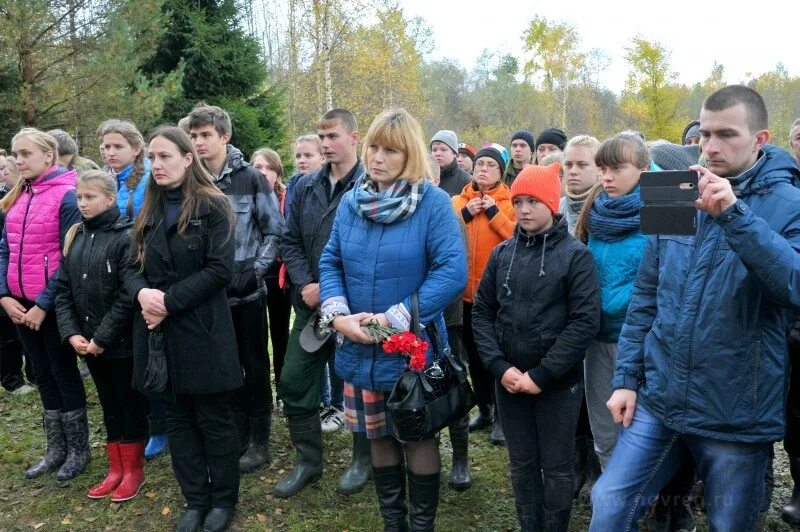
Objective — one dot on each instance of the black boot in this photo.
(355, 477)
(482, 419)
(191, 520)
(76, 432)
(423, 493)
(390, 485)
(581, 461)
(556, 521)
(257, 453)
(460, 478)
(218, 519)
(496, 436)
(791, 512)
(306, 435)
(56, 445)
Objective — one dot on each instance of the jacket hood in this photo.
(774, 166)
(235, 159)
(500, 192)
(56, 175)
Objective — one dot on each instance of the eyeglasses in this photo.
(491, 165)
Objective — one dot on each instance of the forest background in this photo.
(277, 65)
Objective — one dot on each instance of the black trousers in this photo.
(454, 334)
(124, 409)
(482, 380)
(279, 309)
(540, 435)
(255, 397)
(791, 442)
(584, 430)
(55, 366)
(204, 448)
(11, 357)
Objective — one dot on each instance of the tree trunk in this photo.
(327, 51)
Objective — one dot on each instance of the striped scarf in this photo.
(396, 203)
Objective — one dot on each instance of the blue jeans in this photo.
(647, 456)
(332, 387)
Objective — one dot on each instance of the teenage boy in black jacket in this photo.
(259, 225)
(536, 309)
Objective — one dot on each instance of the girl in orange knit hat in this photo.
(536, 310)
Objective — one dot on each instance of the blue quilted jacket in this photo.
(705, 339)
(375, 266)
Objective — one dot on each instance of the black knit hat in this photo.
(525, 135)
(554, 136)
(496, 152)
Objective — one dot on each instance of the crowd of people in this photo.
(596, 353)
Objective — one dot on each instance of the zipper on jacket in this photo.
(108, 266)
(29, 190)
(46, 270)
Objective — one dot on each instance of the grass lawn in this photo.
(47, 504)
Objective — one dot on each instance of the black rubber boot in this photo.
(496, 436)
(390, 486)
(76, 432)
(356, 476)
(56, 445)
(423, 494)
(306, 435)
(257, 453)
(791, 512)
(191, 520)
(218, 519)
(481, 420)
(460, 478)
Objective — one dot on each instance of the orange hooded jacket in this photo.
(484, 230)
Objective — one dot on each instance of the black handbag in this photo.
(422, 404)
(155, 373)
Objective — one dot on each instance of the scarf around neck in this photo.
(394, 204)
(575, 204)
(613, 219)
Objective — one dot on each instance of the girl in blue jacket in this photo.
(394, 234)
(609, 225)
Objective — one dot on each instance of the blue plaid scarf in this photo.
(612, 219)
(396, 203)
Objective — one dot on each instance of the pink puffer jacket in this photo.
(33, 233)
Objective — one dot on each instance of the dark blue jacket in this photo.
(375, 266)
(705, 338)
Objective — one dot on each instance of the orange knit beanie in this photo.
(540, 182)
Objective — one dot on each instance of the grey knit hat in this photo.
(670, 156)
(691, 130)
(447, 137)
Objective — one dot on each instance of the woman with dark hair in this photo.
(394, 234)
(279, 302)
(184, 253)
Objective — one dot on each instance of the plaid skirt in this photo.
(365, 411)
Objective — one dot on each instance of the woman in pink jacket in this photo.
(39, 210)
